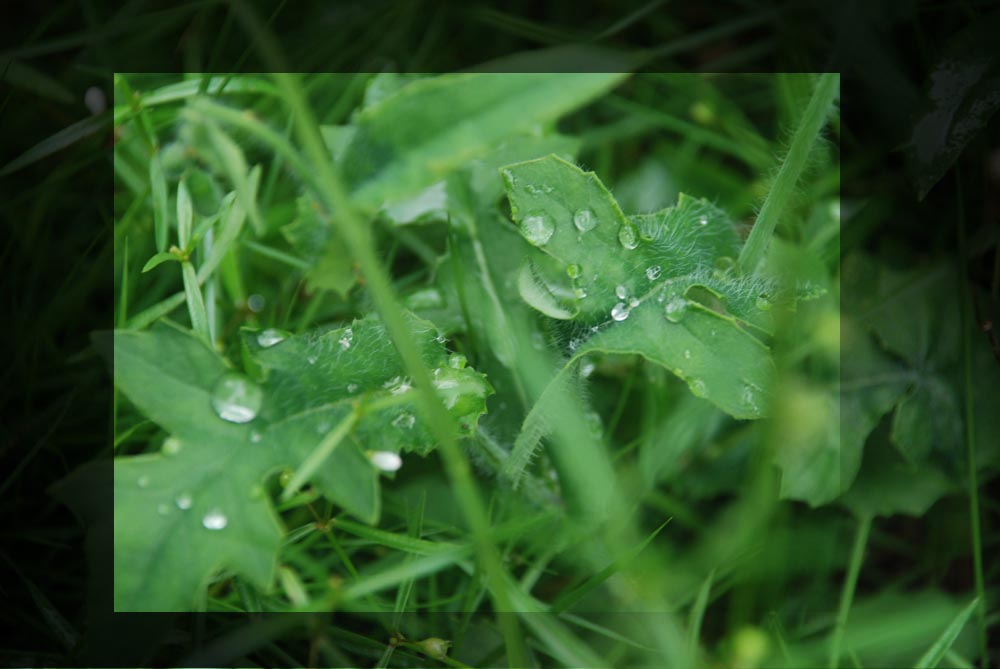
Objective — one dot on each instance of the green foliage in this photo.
(200, 504)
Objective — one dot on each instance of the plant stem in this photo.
(972, 482)
(358, 239)
(850, 583)
(813, 120)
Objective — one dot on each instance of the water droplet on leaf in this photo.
(537, 229)
(346, 338)
(236, 398)
(763, 302)
(675, 309)
(214, 520)
(621, 292)
(255, 436)
(457, 361)
(572, 270)
(698, 387)
(172, 446)
(143, 481)
(387, 461)
(162, 509)
(269, 337)
(619, 312)
(584, 220)
(653, 272)
(183, 501)
(627, 237)
(703, 220)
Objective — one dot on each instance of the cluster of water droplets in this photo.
(622, 309)
(346, 339)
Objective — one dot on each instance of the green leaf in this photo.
(57, 142)
(649, 284)
(185, 215)
(158, 259)
(961, 95)
(200, 506)
(416, 136)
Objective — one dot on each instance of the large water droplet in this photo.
(537, 229)
(269, 337)
(621, 292)
(619, 312)
(184, 501)
(214, 520)
(653, 272)
(236, 398)
(675, 309)
(627, 237)
(584, 220)
(387, 461)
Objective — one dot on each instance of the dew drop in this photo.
(579, 293)
(162, 509)
(269, 337)
(587, 368)
(627, 237)
(143, 481)
(387, 461)
(346, 339)
(236, 398)
(653, 272)
(352, 388)
(537, 229)
(619, 312)
(687, 354)
(312, 359)
(183, 501)
(214, 520)
(572, 270)
(404, 421)
(633, 302)
(675, 309)
(698, 387)
(172, 446)
(763, 302)
(749, 398)
(256, 436)
(584, 220)
(621, 292)
(703, 220)
(457, 361)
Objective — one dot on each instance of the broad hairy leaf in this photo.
(200, 505)
(414, 137)
(659, 285)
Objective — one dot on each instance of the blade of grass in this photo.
(319, 455)
(357, 236)
(972, 482)
(813, 120)
(57, 142)
(850, 583)
(195, 302)
(158, 183)
(696, 617)
(943, 644)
